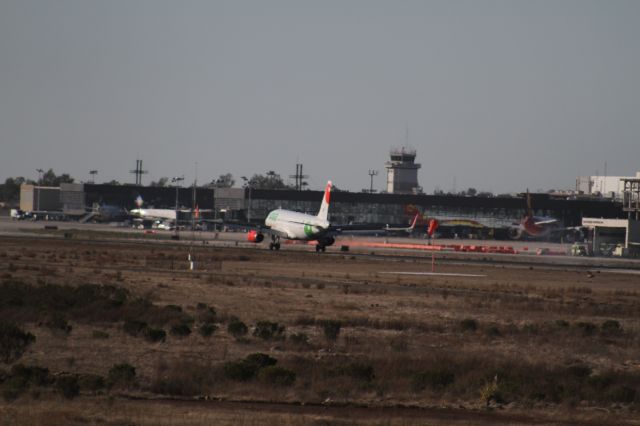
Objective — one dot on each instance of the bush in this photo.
(181, 329)
(207, 329)
(468, 324)
(134, 327)
(247, 368)
(154, 334)
(68, 386)
(358, 371)
(239, 370)
(269, 330)
(277, 376)
(587, 328)
(122, 375)
(623, 394)
(91, 382)
(13, 387)
(57, 322)
(237, 328)
(206, 313)
(260, 360)
(38, 376)
(611, 327)
(99, 334)
(299, 338)
(331, 329)
(13, 342)
(436, 379)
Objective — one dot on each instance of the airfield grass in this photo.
(111, 321)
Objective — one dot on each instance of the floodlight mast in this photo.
(177, 181)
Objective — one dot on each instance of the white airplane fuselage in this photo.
(154, 214)
(296, 226)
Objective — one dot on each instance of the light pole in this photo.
(248, 185)
(177, 181)
(372, 173)
(40, 172)
(93, 174)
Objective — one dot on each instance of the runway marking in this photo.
(439, 274)
(619, 271)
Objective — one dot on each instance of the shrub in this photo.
(562, 323)
(57, 322)
(247, 368)
(277, 376)
(207, 329)
(611, 327)
(122, 375)
(206, 313)
(299, 338)
(181, 329)
(269, 330)
(623, 394)
(68, 386)
(587, 328)
(239, 370)
(237, 328)
(358, 371)
(468, 324)
(38, 376)
(13, 387)
(154, 334)
(436, 379)
(331, 329)
(13, 342)
(493, 331)
(134, 327)
(99, 334)
(260, 360)
(91, 382)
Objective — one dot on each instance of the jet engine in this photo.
(255, 236)
(327, 241)
(515, 233)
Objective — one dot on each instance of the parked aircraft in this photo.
(152, 214)
(292, 225)
(535, 226)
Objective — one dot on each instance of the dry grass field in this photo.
(123, 333)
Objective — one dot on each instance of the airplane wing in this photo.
(546, 222)
(369, 230)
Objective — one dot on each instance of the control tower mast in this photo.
(402, 171)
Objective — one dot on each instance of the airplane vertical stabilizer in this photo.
(324, 207)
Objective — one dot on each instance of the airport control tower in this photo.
(402, 171)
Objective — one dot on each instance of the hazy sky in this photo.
(498, 95)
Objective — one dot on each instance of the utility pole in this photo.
(138, 172)
(372, 173)
(247, 184)
(177, 181)
(40, 172)
(299, 176)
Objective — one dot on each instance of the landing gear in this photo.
(320, 248)
(275, 243)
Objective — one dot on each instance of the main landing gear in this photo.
(320, 248)
(275, 243)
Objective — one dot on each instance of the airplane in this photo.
(535, 226)
(152, 214)
(290, 225)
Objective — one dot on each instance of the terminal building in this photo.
(479, 216)
(468, 217)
